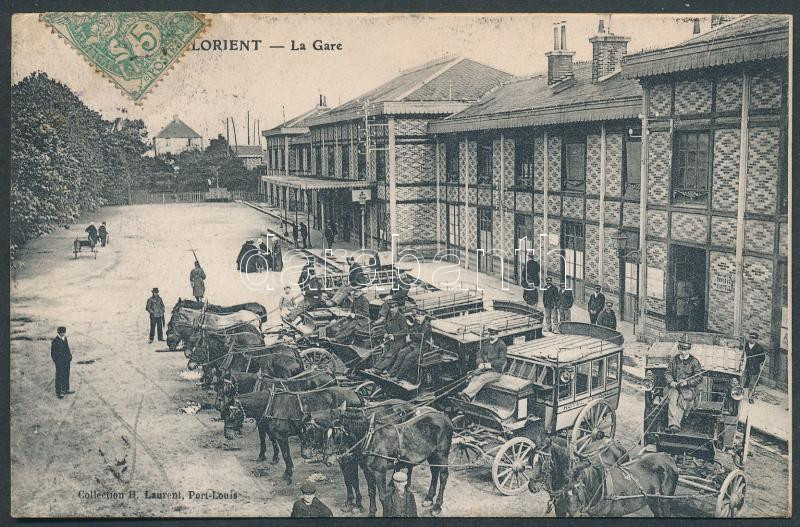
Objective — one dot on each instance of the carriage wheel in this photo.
(731, 495)
(369, 390)
(744, 450)
(464, 455)
(596, 422)
(318, 358)
(511, 464)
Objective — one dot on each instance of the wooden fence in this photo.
(139, 197)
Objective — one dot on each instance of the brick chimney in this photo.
(607, 52)
(559, 61)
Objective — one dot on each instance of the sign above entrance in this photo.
(722, 283)
(361, 195)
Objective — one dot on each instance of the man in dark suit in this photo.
(295, 234)
(565, 301)
(530, 281)
(754, 354)
(155, 307)
(309, 506)
(62, 357)
(304, 235)
(597, 301)
(607, 317)
(550, 299)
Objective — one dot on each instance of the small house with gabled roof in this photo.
(175, 138)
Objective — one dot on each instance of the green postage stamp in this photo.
(133, 49)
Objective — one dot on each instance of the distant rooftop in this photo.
(247, 150)
(177, 129)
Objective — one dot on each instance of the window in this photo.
(631, 263)
(485, 239)
(361, 162)
(582, 378)
(383, 227)
(484, 162)
(691, 168)
(345, 161)
(331, 156)
(453, 225)
(565, 388)
(598, 374)
(633, 167)
(612, 369)
(451, 166)
(380, 163)
(523, 163)
(318, 160)
(574, 166)
(573, 242)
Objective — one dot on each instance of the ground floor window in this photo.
(686, 303)
(485, 239)
(453, 226)
(573, 249)
(523, 234)
(383, 224)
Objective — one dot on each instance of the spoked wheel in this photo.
(731, 495)
(596, 422)
(464, 455)
(318, 358)
(512, 466)
(369, 390)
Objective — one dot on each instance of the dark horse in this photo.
(283, 414)
(342, 445)
(238, 383)
(622, 489)
(425, 437)
(186, 321)
(552, 464)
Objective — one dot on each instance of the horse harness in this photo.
(398, 428)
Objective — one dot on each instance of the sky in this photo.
(206, 87)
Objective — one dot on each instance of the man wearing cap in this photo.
(607, 318)
(597, 301)
(405, 367)
(197, 279)
(754, 354)
(309, 506)
(399, 501)
(550, 299)
(102, 232)
(395, 338)
(357, 320)
(356, 276)
(565, 301)
(62, 357)
(155, 306)
(683, 375)
(491, 363)
(304, 235)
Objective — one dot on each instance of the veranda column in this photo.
(744, 145)
(392, 190)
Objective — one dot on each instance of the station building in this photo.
(715, 217)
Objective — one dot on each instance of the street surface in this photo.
(123, 430)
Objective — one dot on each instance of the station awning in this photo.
(311, 183)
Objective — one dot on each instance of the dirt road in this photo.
(120, 446)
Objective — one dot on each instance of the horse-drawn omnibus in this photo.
(565, 384)
(712, 445)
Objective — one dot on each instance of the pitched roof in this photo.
(745, 39)
(531, 102)
(247, 150)
(446, 80)
(297, 125)
(177, 128)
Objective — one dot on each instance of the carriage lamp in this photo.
(565, 376)
(737, 392)
(649, 382)
(192, 365)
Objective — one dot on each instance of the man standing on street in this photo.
(304, 235)
(550, 299)
(329, 235)
(607, 318)
(155, 306)
(491, 363)
(197, 279)
(683, 375)
(565, 301)
(597, 302)
(754, 354)
(309, 506)
(530, 281)
(102, 232)
(399, 502)
(62, 357)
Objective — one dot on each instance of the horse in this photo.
(551, 467)
(253, 307)
(186, 321)
(234, 384)
(425, 437)
(347, 448)
(623, 488)
(283, 414)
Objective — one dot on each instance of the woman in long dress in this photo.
(277, 256)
